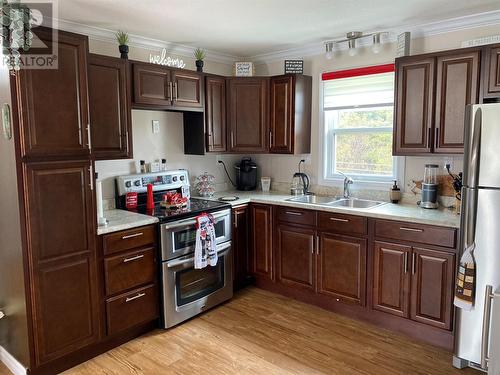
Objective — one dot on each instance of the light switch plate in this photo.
(156, 126)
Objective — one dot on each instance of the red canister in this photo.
(150, 203)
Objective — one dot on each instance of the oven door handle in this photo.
(191, 222)
(222, 250)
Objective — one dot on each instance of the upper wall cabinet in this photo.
(248, 114)
(431, 94)
(109, 107)
(215, 113)
(290, 117)
(156, 87)
(55, 124)
(491, 81)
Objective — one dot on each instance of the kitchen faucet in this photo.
(348, 181)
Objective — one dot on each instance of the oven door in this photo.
(188, 291)
(179, 238)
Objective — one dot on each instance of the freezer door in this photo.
(470, 344)
(482, 146)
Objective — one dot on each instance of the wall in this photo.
(281, 168)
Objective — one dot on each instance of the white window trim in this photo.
(338, 180)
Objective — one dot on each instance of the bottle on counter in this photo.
(395, 193)
(143, 166)
(163, 165)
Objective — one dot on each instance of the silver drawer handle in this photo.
(293, 213)
(411, 229)
(140, 295)
(133, 258)
(132, 236)
(341, 220)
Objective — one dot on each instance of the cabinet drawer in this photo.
(427, 234)
(297, 216)
(348, 224)
(129, 270)
(130, 309)
(128, 239)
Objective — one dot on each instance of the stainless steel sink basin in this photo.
(355, 203)
(312, 199)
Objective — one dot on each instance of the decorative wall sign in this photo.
(163, 59)
(294, 66)
(403, 48)
(243, 69)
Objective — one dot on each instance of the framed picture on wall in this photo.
(243, 69)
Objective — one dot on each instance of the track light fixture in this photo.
(350, 40)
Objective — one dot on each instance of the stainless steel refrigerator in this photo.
(477, 340)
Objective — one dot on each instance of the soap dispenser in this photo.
(395, 193)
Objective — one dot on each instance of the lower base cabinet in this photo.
(261, 241)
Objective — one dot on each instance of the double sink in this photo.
(337, 201)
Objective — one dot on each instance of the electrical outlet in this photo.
(448, 161)
(156, 126)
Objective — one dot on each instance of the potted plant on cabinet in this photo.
(199, 55)
(122, 39)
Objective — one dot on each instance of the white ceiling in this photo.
(252, 27)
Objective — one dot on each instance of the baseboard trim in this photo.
(11, 363)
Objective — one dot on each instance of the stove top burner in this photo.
(195, 207)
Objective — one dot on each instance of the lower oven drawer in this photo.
(129, 270)
(130, 309)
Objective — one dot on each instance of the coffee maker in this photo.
(246, 174)
(430, 187)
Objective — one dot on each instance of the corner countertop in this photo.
(402, 212)
(122, 220)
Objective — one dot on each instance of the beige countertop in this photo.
(122, 220)
(402, 212)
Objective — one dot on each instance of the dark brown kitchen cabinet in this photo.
(61, 249)
(295, 256)
(391, 278)
(491, 71)
(342, 268)
(290, 114)
(240, 238)
(261, 225)
(187, 89)
(248, 114)
(457, 85)
(215, 112)
(432, 282)
(414, 105)
(152, 85)
(52, 103)
(109, 107)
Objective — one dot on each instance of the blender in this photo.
(430, 187)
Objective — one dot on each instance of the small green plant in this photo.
(199, 54)
(122, 38)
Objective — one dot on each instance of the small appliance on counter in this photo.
(430, 187)
(246, 175)
(300, 182)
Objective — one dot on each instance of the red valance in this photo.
(358, 72)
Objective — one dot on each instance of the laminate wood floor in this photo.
(259, 332)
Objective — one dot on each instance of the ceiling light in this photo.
(377, 45)
(329, 50)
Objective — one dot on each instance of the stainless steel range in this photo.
(186, 291)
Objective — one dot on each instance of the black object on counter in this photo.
(246, 175)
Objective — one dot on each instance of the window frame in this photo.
(327, 145)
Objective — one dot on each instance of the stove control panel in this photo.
(167, 180)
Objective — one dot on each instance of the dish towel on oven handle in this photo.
(205, 252)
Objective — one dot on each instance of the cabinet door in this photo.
(342, 268)
(432, 283)
(457, 85)
(262, 250)
(53, 106)
(188, 89)
(61, 251)
(240, 247)
(414, 106)
(391, 278)
(109, 107)
(215, 89)
(248, 114)
(152, 85)
(282, 115)
(295, 257)
(492, 72)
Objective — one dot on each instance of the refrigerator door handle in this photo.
(469, 197)
(474, 154)
(485, 337)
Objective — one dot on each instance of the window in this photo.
(358, 119)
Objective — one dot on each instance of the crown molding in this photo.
(417, 31)
(107, 35)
